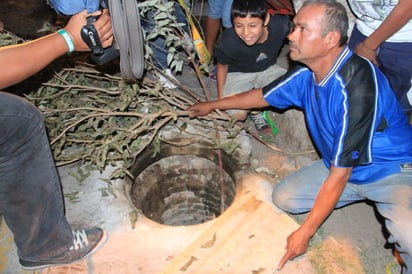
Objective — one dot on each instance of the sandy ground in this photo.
(351, 240)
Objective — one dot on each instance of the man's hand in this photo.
(297, 244)
(103, 26)
(200, 109)
(325, 202)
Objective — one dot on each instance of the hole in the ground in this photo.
(182, 185)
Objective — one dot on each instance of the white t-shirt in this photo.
(371, 13)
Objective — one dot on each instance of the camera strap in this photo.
(128, 34)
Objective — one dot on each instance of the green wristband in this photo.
(67, 39)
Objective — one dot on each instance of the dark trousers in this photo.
(31, 198)
(158, 44)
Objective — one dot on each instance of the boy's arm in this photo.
(245, 100)
(19, 62)
(221, 73)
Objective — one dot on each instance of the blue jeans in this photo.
(392, 196)
(31, 199)
(395, 61)
(74, 6)
(158, 45)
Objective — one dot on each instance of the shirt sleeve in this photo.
(354, 145)
(289, 89)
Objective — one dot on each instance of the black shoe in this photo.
(85, 243)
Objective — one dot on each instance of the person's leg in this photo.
(262, 119)
(213, 23)
(31, 199)
(30, 193)
(395, 61)
(158, 44)
(181, 14)
(237, 82)
(241, 81)
(297, 192)
(211, 32)
(269, 75)
(159, 56)
(227, 14)
(393, 198)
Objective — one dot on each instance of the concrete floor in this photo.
(249, 237)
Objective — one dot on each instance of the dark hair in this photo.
(252, 8)
(336, 18)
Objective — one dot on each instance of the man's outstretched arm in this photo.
(245, 100)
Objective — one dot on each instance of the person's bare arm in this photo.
(19, 62)
(399, 16)
(328, 196)
(245, 100)
(221, 73)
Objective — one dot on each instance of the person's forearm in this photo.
(221, 74)
(21, 61)
(399, 16)
(326, 199)
(245, 100)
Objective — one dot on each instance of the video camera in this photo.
(88, 33)
(127, 29)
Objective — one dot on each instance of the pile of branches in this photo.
(100, 119)
(7, 38)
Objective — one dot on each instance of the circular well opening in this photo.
(181, 185)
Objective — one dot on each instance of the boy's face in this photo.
(251, 30)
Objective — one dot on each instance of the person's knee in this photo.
(28, 118)
(33, 113)
(20, 107)
(281, 199)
